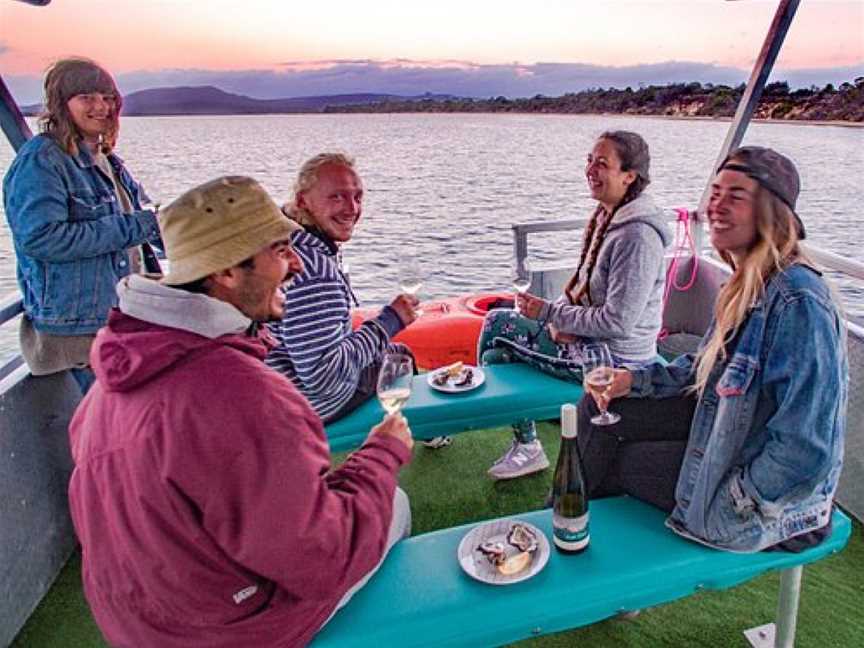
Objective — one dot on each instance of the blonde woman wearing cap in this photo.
(76, 216)
(203, 493)
(742, 443)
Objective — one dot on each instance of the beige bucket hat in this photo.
(217, 225)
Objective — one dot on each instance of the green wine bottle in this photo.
(569, 496)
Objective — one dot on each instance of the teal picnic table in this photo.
(510, 393)
(422, 597)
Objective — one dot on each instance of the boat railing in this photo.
(825, 258)
(10, 307)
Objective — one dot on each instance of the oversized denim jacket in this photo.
(70, 234)
(766, 442)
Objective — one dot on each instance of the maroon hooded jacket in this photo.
(204, 499)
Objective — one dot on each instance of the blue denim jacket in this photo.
(70, 234)
(766, 442)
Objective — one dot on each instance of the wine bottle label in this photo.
(570, 533)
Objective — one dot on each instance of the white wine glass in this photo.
(598, 372)
(411, 276)
(394, 381)
(521, 278)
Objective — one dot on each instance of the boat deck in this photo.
(830, 602)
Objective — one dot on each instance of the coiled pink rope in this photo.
(684, 243)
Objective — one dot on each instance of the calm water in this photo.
(449, 187)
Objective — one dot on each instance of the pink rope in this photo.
(684, 243)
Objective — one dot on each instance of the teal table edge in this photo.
(511, 393)
(421, 597)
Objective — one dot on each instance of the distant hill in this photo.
(208, 100)
(778, 101)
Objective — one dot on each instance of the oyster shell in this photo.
(494, 551)
(522, 538)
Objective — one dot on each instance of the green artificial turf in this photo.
(449, 487)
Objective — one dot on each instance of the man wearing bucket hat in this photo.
(203, 494)
(334, 366)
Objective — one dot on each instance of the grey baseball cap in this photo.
(773, 171)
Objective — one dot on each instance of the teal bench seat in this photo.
(421, 597)
(511, 393)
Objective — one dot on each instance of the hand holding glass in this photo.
(410, 276)
(598, 374)
(394, 381)
(521, 277)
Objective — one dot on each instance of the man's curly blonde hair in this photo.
(306, 179)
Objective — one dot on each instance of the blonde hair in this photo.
(65, 79)
(307, 177)
(777, 247)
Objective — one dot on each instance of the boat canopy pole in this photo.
(752, 93)
(11, 120)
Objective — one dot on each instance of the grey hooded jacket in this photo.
(626, 286)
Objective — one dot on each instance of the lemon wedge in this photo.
(454, 370)
(515, 564)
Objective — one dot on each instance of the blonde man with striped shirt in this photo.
(334, 366)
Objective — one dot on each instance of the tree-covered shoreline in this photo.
(778, 101)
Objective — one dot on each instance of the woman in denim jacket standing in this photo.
(741, 444)
(76, 218)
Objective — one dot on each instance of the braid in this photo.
(587, 236)
(595, 252)
(595, 249)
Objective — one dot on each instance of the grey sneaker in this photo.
(521, 459)
(438, 442)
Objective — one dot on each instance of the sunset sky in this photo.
(270, 48)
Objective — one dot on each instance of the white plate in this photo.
(478, 566)
(450, 387)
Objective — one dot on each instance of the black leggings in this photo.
(640, 455)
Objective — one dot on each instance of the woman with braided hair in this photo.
(615, 296)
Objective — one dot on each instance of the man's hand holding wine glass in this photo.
(405, 306)
(394, 425)
(411, 275)
(394, 389)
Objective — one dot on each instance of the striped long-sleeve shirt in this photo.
(317, 348)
